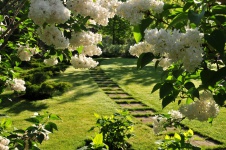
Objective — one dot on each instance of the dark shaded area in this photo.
(16, 105)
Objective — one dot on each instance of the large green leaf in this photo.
(195, 17)
(144, 59)
(220, 99)
(167, 100)
(180, 17)
(217, 40)
(189, 85)
(138, 30)
(137, 33)
(165, 90)
(156, 87)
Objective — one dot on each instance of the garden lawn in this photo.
(139, 84)
(76, 107)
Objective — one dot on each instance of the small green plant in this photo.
(116, 129)
(179, 141)
(96, 144)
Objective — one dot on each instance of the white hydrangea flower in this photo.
(51, 61)
(201, 109)
(25, 53)
(83, 62)
(49, 11)
(51, 35)
(0, 58)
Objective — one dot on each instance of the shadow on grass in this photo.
(17, 105)
(127, 67)
(82, 85)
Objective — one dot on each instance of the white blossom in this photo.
(51, 35)
(201, 109)
(93, 9)
(175, 115)
(133, 10)
(83, 62)
(17, 84)
(51, 61)
(25, 53)
(84, 39)
(48, 11)
(159, 124)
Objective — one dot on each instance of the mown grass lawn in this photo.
(77, 106)
(139, 83)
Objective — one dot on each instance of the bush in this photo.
(45, 90)
(115, 129)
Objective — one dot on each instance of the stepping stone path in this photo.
(137, 109)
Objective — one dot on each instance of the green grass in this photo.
(139, 84)
(77, 106)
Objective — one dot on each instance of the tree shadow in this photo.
(127, 67)
(17, 105)
(82, 85)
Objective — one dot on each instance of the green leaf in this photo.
(220, 98)
(189, 85)
(219, 9)
(79, 49)
(1, 18)
(54, 117)
(166, 89)
(188, 5)
(156, 87)
(189, 101)
(177, 137)
(179, 18)
(98, 140)
(195, 17)
(167, 100)
(144, 59)
(61, 57)
(50, 126)
(40, 138)
(138, 30)
(206, 76)
(137, 34)
(217, 40)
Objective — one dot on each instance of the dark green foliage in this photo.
(115, 129)
(45, 90)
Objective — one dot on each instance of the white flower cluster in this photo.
(201, 109)
(48, 11)
(83, 62)
(51, 61)
(174, 46)
(133, 10)
(111, 5)
(139, 48)
(93, 9)
(17, 85)
(175, 115)
(159, 124)
(4, 142)
(41, 130)
(84, 39)
(88, 40)
(51, 35)
(25, 53)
